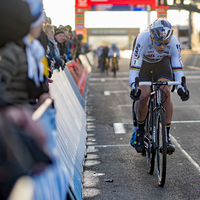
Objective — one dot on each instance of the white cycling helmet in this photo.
(161, 30)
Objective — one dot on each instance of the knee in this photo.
(167, 92)
(144, 98)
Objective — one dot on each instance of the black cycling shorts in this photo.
(161, 69)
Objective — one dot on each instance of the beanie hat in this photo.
(57, 31)
(36, 8)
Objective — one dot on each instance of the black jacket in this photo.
(51, 55)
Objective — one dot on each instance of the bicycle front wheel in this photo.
(148, 140)
(161, 146)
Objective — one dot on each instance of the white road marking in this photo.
(107, 93)
(90, 126)
(182, 122)
(103, 146)
(185, 153)
(90, 119)
(119, 128)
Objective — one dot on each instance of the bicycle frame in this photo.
(157, 104)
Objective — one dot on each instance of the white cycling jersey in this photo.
(112, 51)
(144, 51)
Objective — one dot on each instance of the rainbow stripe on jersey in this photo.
(175, 69)
(151, 60)
(135, 68)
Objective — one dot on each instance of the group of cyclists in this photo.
(105, 52)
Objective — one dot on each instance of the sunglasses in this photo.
(161, 43)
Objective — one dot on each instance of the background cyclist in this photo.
(112, 50)
(157, 50)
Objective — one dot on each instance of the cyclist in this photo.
(158, 51)
(99, 53)
(112, 50)
(104, 54)
(105, 51)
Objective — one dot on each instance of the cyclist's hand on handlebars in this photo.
(135, 96)
(183, 95)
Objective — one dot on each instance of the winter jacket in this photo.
(51, 54)
(18, 88)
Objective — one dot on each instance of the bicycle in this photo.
(155, 137)
(114, 64)
(106, 64)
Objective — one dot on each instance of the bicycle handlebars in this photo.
(149, 83)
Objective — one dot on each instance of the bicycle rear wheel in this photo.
(114, 66)
(161, 147)
(106, 65)
(114, 72)
(148, 140)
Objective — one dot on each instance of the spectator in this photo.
(53, 52)
(44, 42)
(19, 24)
(43, 37)
(79, 45)
(60, 38)
(86, 47)
(23, 63)
(66, 45)
(73, 45)
(69, 28)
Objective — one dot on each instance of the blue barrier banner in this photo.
(53, 182)
(71, 127)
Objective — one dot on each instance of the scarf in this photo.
(37, 62)
(56, 50)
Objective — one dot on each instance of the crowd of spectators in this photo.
(63, 44)
(31, 48)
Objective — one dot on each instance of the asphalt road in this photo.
(110, 157)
